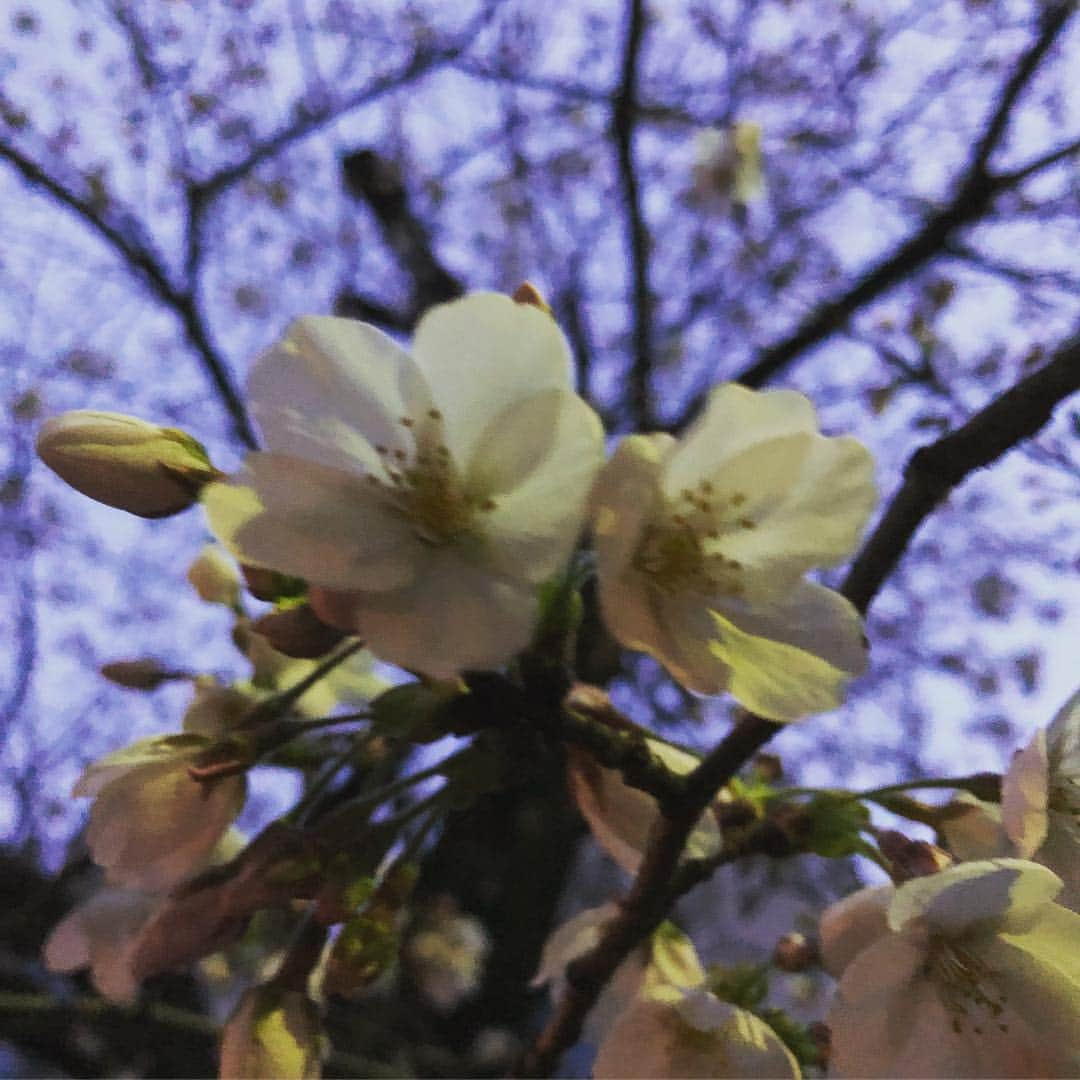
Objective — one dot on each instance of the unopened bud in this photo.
(214, 576)
(528, 293)
(794, 952)
(269, 585)
(146, 674)
(912, 858)
(125, 462)
(298, 632)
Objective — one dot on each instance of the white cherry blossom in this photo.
(424, 497)
(702, 545)
(970, 972)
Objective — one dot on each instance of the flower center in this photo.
(427, 488)
(966, 985)
(678, 551)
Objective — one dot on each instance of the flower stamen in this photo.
(965, 984)
(428, 490)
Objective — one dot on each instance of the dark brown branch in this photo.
(932, 472)
(376, 180)
(312, 120)
(637, 236)
(137, 253)
(975, 192)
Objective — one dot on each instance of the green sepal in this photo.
(744, 985)
(836, 822)
(412, 711)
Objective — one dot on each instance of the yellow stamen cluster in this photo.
(428, 489)
(678, 551)
(965, 984)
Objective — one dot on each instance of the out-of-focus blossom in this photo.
(728, 168)
(970, 972)
(621, 817)
(125, 462)
(273, 1032)
(1039, 815)
(100, 934)
(446, 956)
(215, 577)
(702, 545)
(668, 958)
(676, 1032)
(425, 497)
(151, 823)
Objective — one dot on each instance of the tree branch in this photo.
(932, 472)
(147, 265)
(624, 108)
(975, 192)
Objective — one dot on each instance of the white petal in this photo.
(1037, 968)
(626, 496)
(973, 829)
(735, 419)
(1024, 794)
(99, 934)
(537, 460)
(851, 925)
(808, 616)
(776, 680)
(156, 826)
(571, 940)
(652, 1039)
(327, 526)
(685, 642)
(967, 894)
(156, 750)
(67, 948)
(482, 353)
(333, 389)
(621, 817)
(455, 616)
(806, 499)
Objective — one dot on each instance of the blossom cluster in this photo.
(424, 498)
(427, 505)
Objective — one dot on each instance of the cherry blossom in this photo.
(702, 545)
(970, 972)
(425, 497)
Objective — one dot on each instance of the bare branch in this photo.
(637, 236)
(974, 195)
(121, 232)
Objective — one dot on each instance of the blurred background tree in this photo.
(875, 202)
